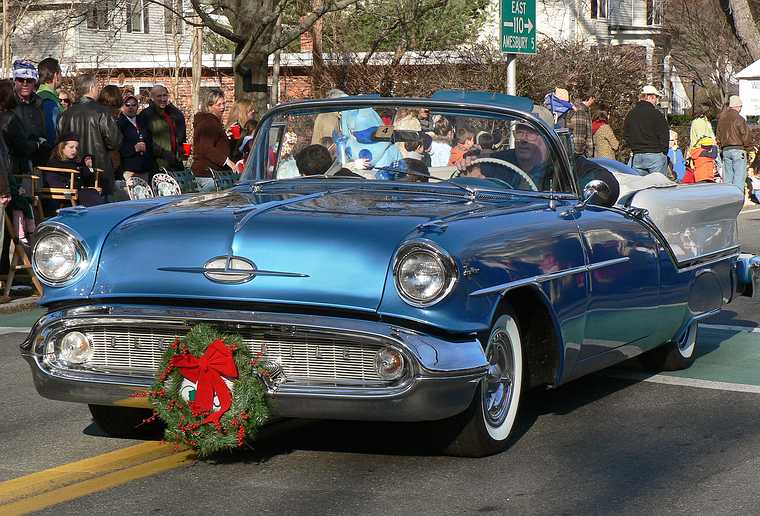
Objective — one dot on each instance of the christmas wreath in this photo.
(209, 391)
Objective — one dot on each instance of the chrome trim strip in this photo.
(708, 261)
(548, 277)
(235, 272)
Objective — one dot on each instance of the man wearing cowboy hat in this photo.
(735, 139)
(646, 131)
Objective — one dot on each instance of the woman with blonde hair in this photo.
(211, 146)
(240, 113)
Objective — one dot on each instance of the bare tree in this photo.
(252, 29)
(704, 46)
(745, 26)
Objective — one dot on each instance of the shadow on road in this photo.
(411, 439)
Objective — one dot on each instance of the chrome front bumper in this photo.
(440, 383)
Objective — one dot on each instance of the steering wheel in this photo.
(511, 166)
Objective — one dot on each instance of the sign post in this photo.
(517, 34)
(518, 26)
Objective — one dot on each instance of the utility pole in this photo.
(197, 63)
(274, 97)
(6, 65)
(511, 60)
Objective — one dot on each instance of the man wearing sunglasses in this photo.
(50, 79)
(136, 145)
(29, 111)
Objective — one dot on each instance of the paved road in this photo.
(621, 441)
(598, 445)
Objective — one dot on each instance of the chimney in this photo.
(307, 43)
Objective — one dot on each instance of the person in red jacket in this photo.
(211, 146)
(701, 164)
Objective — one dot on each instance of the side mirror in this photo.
(596, 192)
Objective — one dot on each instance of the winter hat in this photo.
(24, 69)
(68, 137)
(734, 101)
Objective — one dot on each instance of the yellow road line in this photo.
(100, 483)
(69, 476)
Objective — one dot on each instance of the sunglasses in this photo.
(25, 81)
(65, 100)
(131, 104)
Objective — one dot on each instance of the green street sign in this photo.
(518, 26)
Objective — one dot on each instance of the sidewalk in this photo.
(19, 314)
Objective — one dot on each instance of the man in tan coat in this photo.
(735, 139)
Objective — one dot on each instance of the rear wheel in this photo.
(125, 422)
(486, 426)
(673, 355)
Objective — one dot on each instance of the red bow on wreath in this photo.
(206, 372)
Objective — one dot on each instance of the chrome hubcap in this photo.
(497, 385)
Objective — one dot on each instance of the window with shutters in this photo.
(100, 14)
(654, 12)
(137, 16)
(598, 9)
(173, 16)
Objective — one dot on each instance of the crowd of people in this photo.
(101, 133)
(713, 155)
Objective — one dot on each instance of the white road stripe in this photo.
(4, 330)
(747, 329)
(683, 382)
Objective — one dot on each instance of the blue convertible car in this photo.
(382, 279)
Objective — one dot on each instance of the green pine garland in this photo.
(249, 410)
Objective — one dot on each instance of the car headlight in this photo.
(58, 255)
(424, 273)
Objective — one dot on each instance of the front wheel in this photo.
(674, 355)
(124, 421)
(485, 427)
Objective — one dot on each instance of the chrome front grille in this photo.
(306, 355)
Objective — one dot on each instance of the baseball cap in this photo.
(734, 101)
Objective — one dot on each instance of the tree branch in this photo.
(306, 22)
(215, 26)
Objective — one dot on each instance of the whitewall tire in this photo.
(486, 426)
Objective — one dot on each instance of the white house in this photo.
(102, 33)
(749, 89)
(609, 22)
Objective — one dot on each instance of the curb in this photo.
(19, 305)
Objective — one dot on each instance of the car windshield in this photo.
(474, 149)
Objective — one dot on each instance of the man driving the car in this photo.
(530, 154)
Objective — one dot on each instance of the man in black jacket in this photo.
(98, 133)
(135, 144)
(647, 133)
(29, 112)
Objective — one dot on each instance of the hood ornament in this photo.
(232, 270)
(229, 269)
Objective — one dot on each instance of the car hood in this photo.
(329, 248)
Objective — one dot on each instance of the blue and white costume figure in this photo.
(358, 127)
